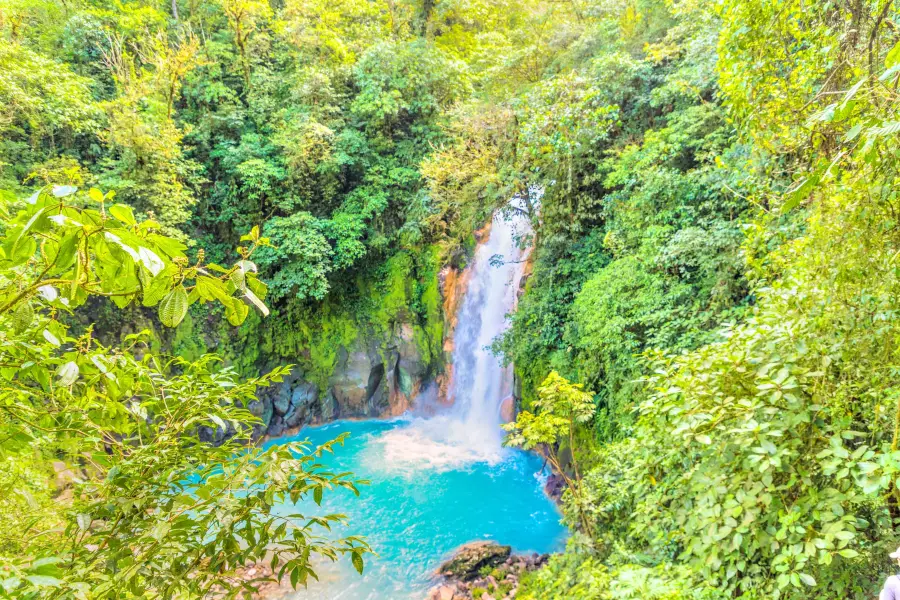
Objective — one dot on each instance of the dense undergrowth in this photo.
(717, 261)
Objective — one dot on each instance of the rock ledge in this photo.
(470, 558)
(483, 571)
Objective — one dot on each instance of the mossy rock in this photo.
(468, 560)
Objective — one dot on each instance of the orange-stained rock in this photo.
(508, 410)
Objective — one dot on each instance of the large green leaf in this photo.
(173, 307)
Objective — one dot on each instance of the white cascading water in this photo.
(469, 430)
(480, 383)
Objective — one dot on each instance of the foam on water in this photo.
(440, 443)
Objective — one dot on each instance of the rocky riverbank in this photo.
(483, 571)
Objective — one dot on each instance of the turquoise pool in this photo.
(431, 490)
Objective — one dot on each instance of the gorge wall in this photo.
(373, 377)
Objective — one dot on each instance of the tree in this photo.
(244, 17)
(44, 108)
(146, 161)
(157, 508)
(171, 63)
(301, 257)
(561, 407)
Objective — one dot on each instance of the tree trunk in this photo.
(427, 10)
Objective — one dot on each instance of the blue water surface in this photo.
(424, 500)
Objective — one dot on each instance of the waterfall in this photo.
(480, 383)
(469, 430)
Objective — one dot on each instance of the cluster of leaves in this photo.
(79, 247)
(146, 504)
(578, 573)
(561, 406)
(758, 458)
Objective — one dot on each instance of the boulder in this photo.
(212, 435)
(261, 408)
(296, 417)
(378, 374)
(402, 386)
(409, 357)
(442, 592)
(256, 408)
(554, 487)
(329, 406)
(268, 412)
(282, 401)
(367, 381)
(469, 559)
(378, 392)
(304, 394)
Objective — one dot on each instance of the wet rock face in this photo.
(369, 380)
(377, 382)
(470, 559)
(292, 403)
(554, 487)
(303, 400)
(508, 410)
(350, 381)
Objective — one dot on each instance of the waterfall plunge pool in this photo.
(442, 481)
(430, 492)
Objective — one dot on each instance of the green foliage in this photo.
(560, 407)
(88, 248)
(401, 85)
(44, 104)
(568, 575)
(155, 508)
(300, 256)
(428, 330)
(757, 457)
(578, 574)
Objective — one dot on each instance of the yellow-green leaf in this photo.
(173, 307)
(23, 317)
(123, 213)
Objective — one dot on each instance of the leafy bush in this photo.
(159, 506)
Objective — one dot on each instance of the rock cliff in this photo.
(372, 378)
